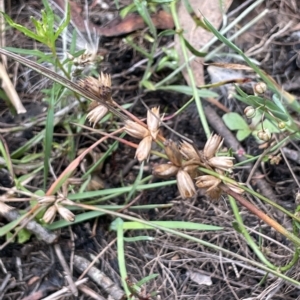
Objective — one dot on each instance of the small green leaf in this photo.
(65, 22)
(188, 90)
(127, 9)
(23, 236)
(242, 134)
(234, 121)
(142, 8)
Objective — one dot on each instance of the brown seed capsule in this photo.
(208, 182)
(50, 214)
(153, 121)
(65, 213)
(224, 163)
(136, 130)
(250, 112)
(260, 87)
(4, 208)
(165, 171)
(144, 148)
(212, 145)
(95, 115)
(189, 151)
(192, 170)
(185, 184)
(235, 188)
(173, 152)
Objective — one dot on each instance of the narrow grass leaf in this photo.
(28, 145)
(9, 227)
(92, 194)
(143, 10)
(121, 254)
(170, 224)
(187, 90)
(49, 133)
(193, 50)
(65, 22)
(127, 9)
(146, 279)
(139, 238)
(136, 183)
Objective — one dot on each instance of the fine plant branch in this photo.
(242, 229)
(262, 216)
(191, 238)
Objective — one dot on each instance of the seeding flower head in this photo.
(177, 168)
(57, 206)
(146, 134)
(100, 87)
(185, 162)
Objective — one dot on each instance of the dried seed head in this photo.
(100, 87)
(95, 115)
(250, 112)
(65, 213)
(188, 151)
(214, 193)
(165, 171)
(91, 84)
(47, 199)
(136, 130)
(264, 135)
(212, 146)
(185, 184)
(260, 87)
(95, 184)
(208, 182)
(275, 160)
(50, 214)
(104, 80)
(173, 152)
(235, 187)
(4, 208)
(191, 169)
(223, 163)
(92, 105)
(153, 121)
(144, 148)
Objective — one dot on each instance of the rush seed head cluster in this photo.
(184, 158)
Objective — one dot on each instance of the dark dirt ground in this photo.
(33, 270)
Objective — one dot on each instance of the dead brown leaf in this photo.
(118, 26)
(197, 36)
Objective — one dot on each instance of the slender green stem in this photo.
(189, 70)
